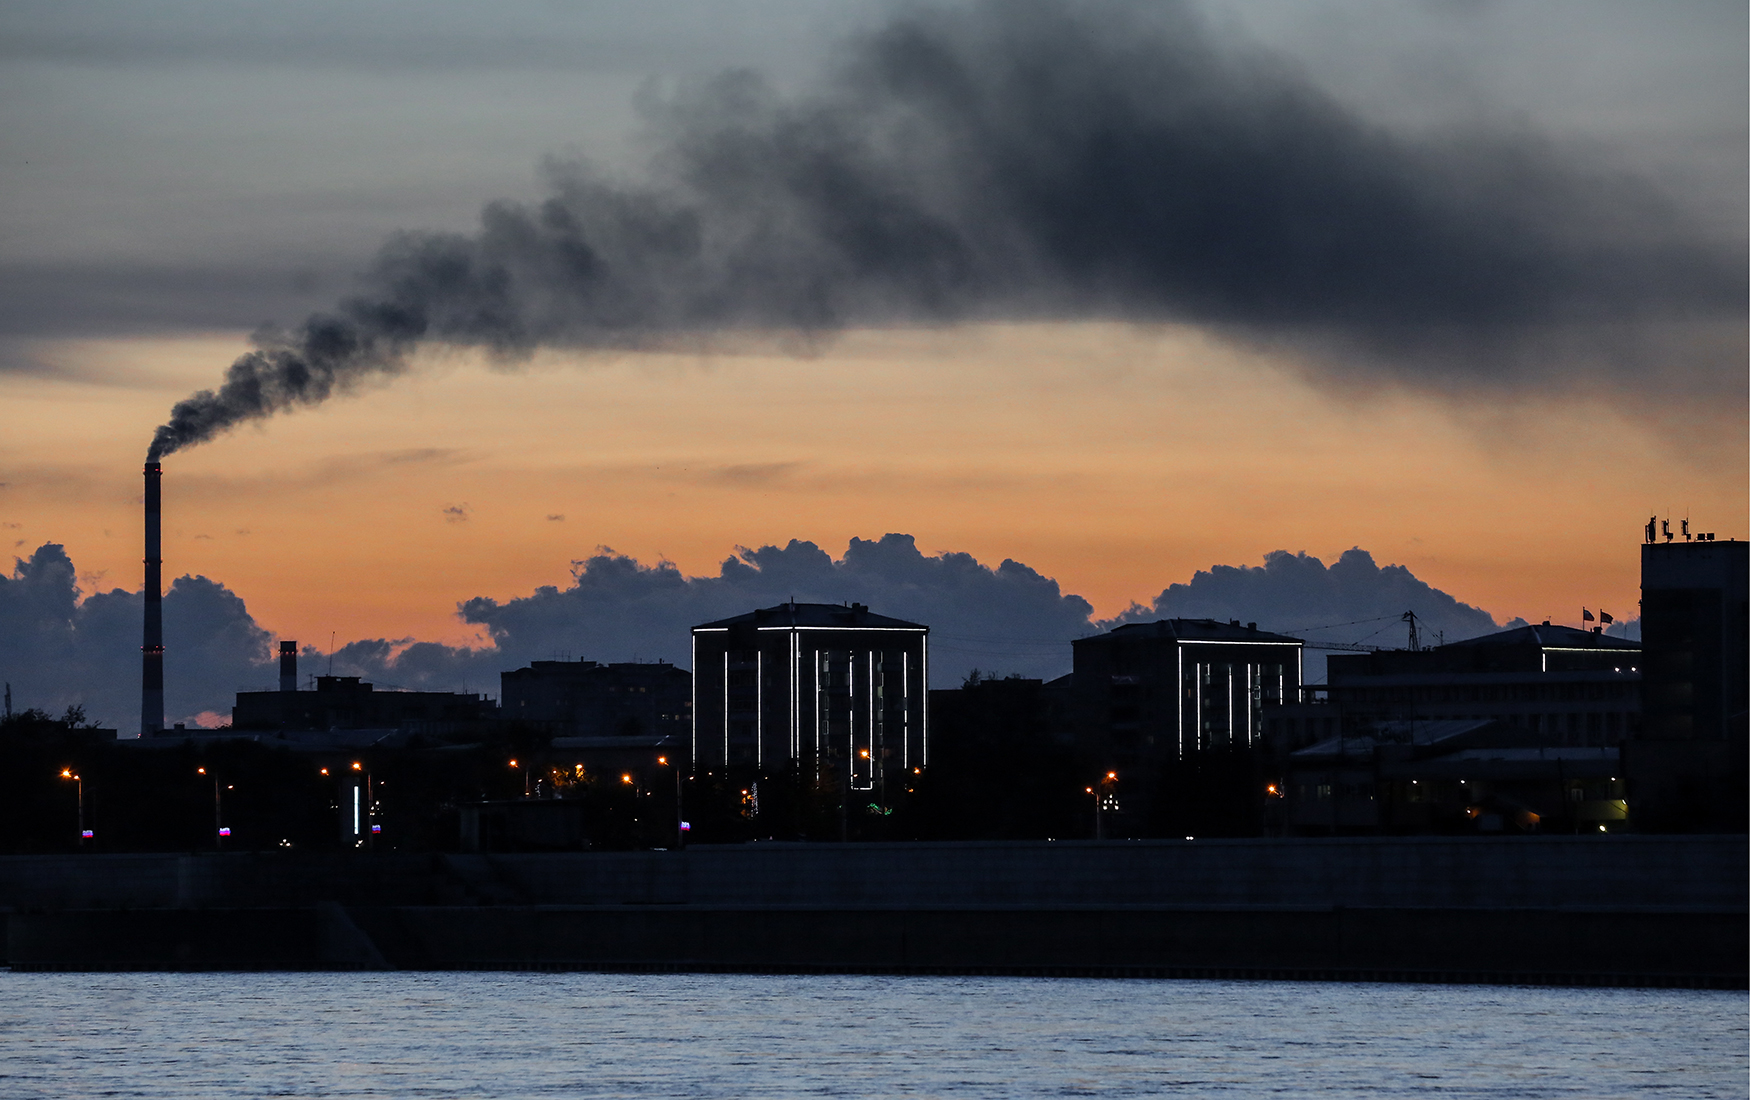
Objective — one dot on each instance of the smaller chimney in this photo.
(288, 666)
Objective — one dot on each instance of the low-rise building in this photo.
(1566, 687)
(347, 703)
(585, 699)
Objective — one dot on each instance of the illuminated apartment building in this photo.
(817, 685)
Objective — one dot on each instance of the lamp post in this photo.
(680, 822)
(219, 830)
(79, 789)
(1104, 799)
(364, 808)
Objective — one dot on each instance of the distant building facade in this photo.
(811, 685)
(342, 703)
(1152, 692)
(1568, 687)
(1686, 768)
(1453, 775)
(584, 699)
(1695, 618)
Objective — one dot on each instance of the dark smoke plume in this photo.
(1043, 161)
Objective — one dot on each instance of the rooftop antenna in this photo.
(1415, 640)
(1685, 529)
(331, 652)
(9, 699)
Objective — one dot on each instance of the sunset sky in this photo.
(176, 176)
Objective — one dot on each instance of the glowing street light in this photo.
(219, 830)
(680, 823)
(79, 790)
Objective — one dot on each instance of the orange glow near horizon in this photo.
(1116, 460)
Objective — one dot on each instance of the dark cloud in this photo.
(1047, 161)
(57, 649)
(616, 608)
(457, 513)
(1352, 601)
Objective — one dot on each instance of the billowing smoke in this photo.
(1047, 161)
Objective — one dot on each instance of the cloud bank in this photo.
(1049, 161)
(1352, 600)
(57, 648)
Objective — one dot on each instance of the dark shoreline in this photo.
(1621, 911)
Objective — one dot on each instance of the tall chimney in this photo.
(152, 648)
(288, 666)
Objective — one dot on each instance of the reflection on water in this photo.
(534, 1035)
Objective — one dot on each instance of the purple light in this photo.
(376, 828)
(686, 826)
(225, 831)
(88, 834)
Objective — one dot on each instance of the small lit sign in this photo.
(686, 826)
(88, 834)
(225, 831)
(376, 828)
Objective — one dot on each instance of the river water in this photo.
(594, 1035)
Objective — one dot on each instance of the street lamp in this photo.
(79, 783)
(680, 823)
(1104, 799)
(220, 832)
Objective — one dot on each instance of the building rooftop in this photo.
(845, 616)
(1194, 630)
(1546, 636)
(1423, 735)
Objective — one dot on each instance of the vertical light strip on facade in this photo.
(795, 693)
(925, 709)
(1179, 699)
(759, 706)
(874, 746)
(1230, 703)
(695, 714)
(726, 702)
(1197, 689)
(905, 710)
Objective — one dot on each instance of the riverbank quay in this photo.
(1611, 910)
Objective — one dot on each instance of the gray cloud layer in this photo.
(56, 649)
(1047, 161)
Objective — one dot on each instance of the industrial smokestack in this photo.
(152, 648)
(288, 666)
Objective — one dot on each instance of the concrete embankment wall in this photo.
(1620, 909)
